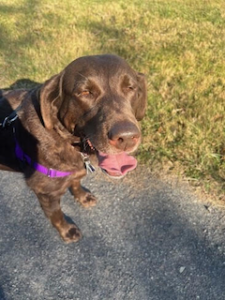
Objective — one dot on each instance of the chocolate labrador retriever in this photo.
(88, 112)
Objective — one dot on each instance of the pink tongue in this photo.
(116, 164)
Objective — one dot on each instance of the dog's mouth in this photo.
(114, 165)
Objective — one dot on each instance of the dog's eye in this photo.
(85, 93)
(130, 88)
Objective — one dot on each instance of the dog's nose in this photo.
(124, 136)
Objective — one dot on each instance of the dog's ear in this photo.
(141, 102)
(51, 99)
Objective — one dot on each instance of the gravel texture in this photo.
(145, 240)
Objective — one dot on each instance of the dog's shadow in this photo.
(23, 83)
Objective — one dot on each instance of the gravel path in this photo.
(145, 240)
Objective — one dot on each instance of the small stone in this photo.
(208, 208)
(182, 269)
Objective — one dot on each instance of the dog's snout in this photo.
(124, 136)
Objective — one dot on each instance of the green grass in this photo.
(179, 44)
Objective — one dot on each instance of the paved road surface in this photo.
(145, 240)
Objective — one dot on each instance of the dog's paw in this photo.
(70, 234)
(87, 200)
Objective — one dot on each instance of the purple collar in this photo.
(48, 172)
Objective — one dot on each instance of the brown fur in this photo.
(95, 98)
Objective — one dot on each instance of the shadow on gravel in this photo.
(148, 244)
(173, 259)
(2, 297)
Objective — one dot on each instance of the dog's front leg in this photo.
(85, 198)
(52, 210)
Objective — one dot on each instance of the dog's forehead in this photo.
(106, 66)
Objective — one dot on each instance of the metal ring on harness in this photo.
(8, 120)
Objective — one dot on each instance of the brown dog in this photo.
(90, 109)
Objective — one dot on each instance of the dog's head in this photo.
(100, 99)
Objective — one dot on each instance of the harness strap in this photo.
(52, 173)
